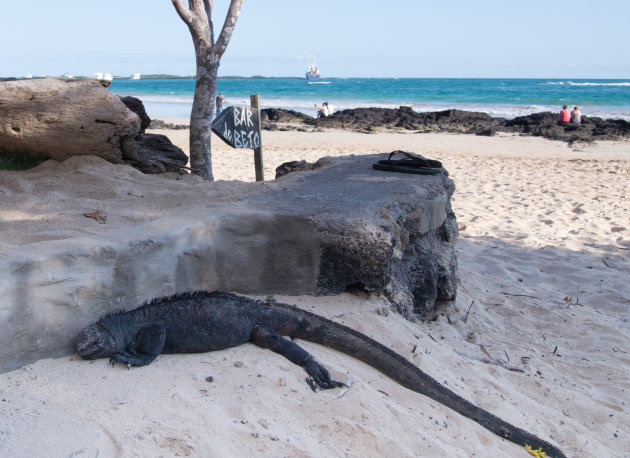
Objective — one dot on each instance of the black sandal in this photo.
(413, 163)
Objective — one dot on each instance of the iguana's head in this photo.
(95, 342)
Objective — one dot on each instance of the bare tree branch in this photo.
(228, 27)
(183, 12)
(208, 5)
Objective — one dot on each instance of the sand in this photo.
(544, 267)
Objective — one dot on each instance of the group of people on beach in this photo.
(574, 117)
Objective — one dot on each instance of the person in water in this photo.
(565, 116)
(576, 116)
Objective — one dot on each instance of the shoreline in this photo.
(405, 119)
(181, 108)
(499, 97)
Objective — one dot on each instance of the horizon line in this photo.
(177, 76)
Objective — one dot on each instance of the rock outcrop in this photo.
(406, 118)
(543, 124)
(405, 252)
(279, 115)
(154, 153)
(159, 124)
(136, 105)
(341, 226)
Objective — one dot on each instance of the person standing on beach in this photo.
(565, 116)
(576, 116)
(219, 103)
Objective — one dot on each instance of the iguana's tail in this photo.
(320, 330)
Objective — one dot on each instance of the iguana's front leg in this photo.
(144, 348)
(264, 336)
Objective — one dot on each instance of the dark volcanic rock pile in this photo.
(546, 125)
(278, 115)
(406, 118)
(543, 124)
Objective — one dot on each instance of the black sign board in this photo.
(238, 127)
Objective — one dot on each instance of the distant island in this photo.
(166, 76)
(156, 76)
(234, 77)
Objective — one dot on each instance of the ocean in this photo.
(498, 97)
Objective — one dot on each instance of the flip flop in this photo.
(413, 163)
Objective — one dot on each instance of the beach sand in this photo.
(544, 268)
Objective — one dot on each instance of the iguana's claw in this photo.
(310, 382)
(120, 358)
(320, 377)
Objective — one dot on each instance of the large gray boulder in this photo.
(341, 226)
(379, 231)
(61, 118)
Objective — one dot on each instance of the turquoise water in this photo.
(497, 97)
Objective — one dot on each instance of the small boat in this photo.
(312, 73)
(67, 75)
(135, 76)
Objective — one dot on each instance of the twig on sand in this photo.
(483, 349)
(607, 262)
(519, 295)
(432, 338)
(467, 312)
(496, 362)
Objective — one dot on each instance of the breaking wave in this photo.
(572, 83)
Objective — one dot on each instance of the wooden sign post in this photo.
(258, 160)
(240, 127)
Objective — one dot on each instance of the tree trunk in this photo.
(198, 18)
(201, 117)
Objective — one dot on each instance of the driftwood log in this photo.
(60, 118)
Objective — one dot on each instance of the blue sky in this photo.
(362, 38)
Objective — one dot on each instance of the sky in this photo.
(348, 38)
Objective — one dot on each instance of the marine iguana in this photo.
(202, 322)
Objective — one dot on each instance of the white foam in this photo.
(178, 106)
(572, 83)
(162, 98)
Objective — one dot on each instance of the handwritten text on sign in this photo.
(238, 127)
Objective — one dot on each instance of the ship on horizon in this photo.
(312, 72)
